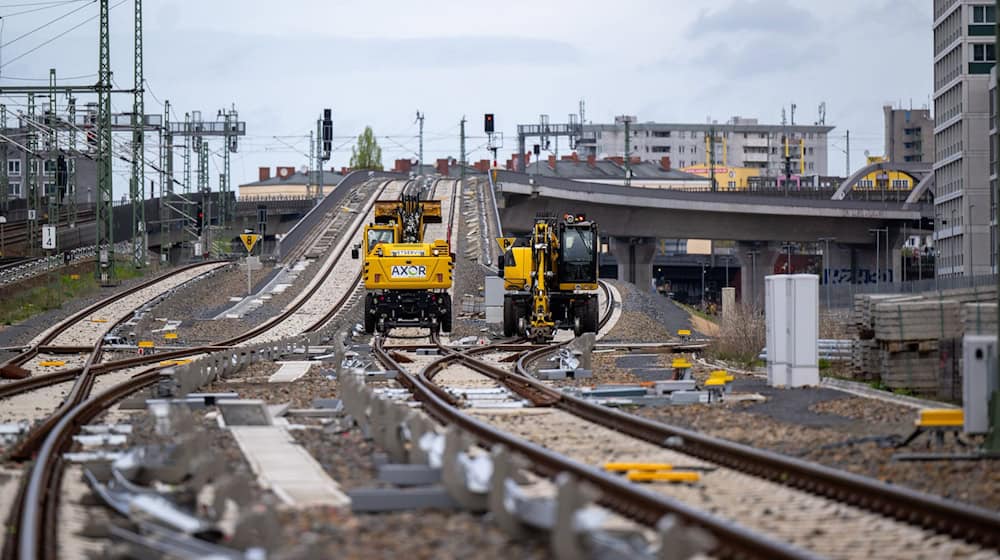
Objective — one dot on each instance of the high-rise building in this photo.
(964, 54)
(740, 142)
(909, 134)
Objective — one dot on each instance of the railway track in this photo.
(756, 503)
(33, 520)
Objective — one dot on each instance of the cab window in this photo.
(376, 236)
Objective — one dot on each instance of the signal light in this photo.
(488, 122)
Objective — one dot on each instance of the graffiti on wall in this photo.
(837, 276)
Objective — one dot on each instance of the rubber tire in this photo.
(509, 317)
(578, 326)
(446, 318)
(369, 317)
(592, 318)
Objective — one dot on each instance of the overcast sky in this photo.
(377, 62)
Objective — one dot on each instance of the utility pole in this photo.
(52, 154)
(4, 179)
(105, 271)
(628, 166)
(847, 163)
(753, 275)
(230, 139)
(138, 179)
(461, 156)
(313, 159)
(187, 154)
(31, 160)
(71, 166)
(711, 158)
(420, 156)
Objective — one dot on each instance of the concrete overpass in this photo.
(635, 217)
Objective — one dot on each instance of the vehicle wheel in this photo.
(577, 326)
(522, 326)
(591, 320)
(446, 321)
(509, 317)
(369, 316)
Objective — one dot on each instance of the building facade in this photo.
(740, 142)
(909, 134)
(21, 170)
(964, 54)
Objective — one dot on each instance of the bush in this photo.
(742, 335)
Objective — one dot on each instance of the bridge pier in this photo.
(757, 260)
(635, 260)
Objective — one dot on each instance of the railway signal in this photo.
(488, 123)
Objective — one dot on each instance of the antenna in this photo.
(822, 114)
(793, 114)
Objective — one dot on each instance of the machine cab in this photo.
(375, 235)
(578, 255)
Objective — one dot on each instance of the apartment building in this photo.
(739, 142)
(964, 55)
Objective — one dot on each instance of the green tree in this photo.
(367, 154)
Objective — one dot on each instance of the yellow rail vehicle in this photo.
(406, 278)
(552, 282)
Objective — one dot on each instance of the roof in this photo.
(298, 178)
(607, 170)
(720, 127)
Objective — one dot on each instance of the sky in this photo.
(377, 62)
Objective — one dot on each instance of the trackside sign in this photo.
(409, 271)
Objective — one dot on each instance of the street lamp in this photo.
(703, 266)
(826, 266)
(877, 232)
(753, 275)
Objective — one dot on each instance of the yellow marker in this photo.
(622, 467)
(170, 336)
(92, 320)
(932, 417)
(74, 276)
(671, 476)
(680, 363)
(684, 332)
(52, 363)
(715, 382)
(505, 243)
(249, 240)
(145, 344)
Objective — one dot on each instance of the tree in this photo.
(367, 154)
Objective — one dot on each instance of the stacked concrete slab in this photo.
(909, 342)
(979, 318)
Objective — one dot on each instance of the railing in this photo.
(843, 295)
(37, 267)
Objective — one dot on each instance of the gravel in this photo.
(21, 333)
(469, 277)
(832, 428)
(646, 317)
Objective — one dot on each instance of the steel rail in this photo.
(624, 497)
(33, 518)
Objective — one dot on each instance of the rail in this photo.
(33, 518)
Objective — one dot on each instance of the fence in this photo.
(842, 296)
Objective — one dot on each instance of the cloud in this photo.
(765, 16)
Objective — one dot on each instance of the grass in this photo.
(29, 302)
(697, 312)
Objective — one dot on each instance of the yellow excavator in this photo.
(406, 278)
(550, 282)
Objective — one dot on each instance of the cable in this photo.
(75, 27)
(33, 10)
(42, 26)
(46, 79)
(23, 4)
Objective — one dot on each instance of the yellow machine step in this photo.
(939, 417)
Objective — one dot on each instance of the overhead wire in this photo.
(43, 26)
(60, 35)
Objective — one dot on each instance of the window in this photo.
(984, 14)
(811, 166)
(763, 135)
(50, 189)
(694, 149)
(13, 167)
(661, 134)
(683, 163)
(984, 53)
(866, 183)
(732, 184)
(900, 183)
(661, 149)
(680, 149)
(50, 166)
(15, 188)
